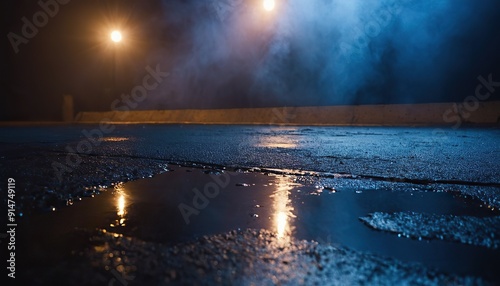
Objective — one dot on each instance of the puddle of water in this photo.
(150, 209)
(334, 218)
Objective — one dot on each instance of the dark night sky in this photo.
(231, 53)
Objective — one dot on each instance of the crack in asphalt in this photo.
(303, 172)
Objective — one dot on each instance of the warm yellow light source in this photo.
(116, 36)
(269, 5)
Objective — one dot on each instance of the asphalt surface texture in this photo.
(410, 187)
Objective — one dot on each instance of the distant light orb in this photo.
(269, 5)
(116, 36)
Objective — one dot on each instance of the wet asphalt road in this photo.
(58, 163)
(470, 155)
(404, 159)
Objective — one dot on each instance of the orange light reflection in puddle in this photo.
(121, 205)
(283, 215)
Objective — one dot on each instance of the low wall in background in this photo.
(396, 114)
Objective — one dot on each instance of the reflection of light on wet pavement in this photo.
(283, 209)
(120, 205)
(277, 142)
(285, 141)
(114, 139)
(281, 222)
(279, 145)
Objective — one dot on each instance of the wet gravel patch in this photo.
(250, 257)
(463, 229)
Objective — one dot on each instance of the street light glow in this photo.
(269, 5)
(116, 36)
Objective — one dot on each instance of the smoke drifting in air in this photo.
(232, 53)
